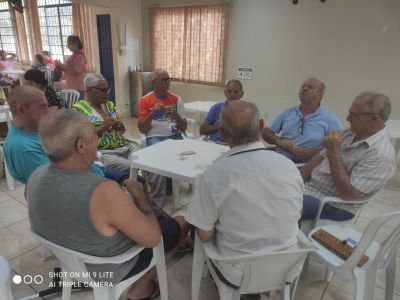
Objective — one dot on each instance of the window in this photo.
(55, 17)
(190, 42)
(7, 41)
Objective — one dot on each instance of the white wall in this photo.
(353, 46)
(129, 12)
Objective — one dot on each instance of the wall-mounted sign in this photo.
(245, 73)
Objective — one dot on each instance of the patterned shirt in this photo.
(161, 124)
(110, 139)
(370, 163)
(54, 98)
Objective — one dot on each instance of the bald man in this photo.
(235, 200)
(302, 127)
(161, 117)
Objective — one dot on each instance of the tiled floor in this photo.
(23, 252)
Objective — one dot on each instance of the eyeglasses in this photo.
(301, 127)
(104, 90)
(356, 114)
(165, 80)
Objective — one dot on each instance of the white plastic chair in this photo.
(5, 280)
(9, 179)
(278, 270)
(382, 256)
(191, 128)
(74, 261)
(307, 225)
(70, 96)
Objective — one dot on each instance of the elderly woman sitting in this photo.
(36, 78)
(102, 114)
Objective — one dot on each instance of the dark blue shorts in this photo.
(171, 233)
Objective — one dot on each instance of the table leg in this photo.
(175, 192)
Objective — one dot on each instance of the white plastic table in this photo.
(164, 159)
(393, 130)
(20, 73)
(5, 114)
(200, 107)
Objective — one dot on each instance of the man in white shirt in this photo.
(249, 200)
(355, 163)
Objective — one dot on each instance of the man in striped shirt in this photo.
(355, 164)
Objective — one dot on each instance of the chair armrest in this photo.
(191, 128)
(138, 142)
(331, 199)
(328, 199)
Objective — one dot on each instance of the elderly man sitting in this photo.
(102, 114)
(303, 126)
(249, 200)
(233, 91)
(161, 117)
(355, 164)
(74, 208)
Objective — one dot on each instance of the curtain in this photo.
(34, 26)
(21, 38)
(190, 42)
(81, 27)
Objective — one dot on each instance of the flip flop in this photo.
(154, 293)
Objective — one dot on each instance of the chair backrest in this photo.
(191, 128)
(388, 246)
(74, 261)
(70, 96)
(268, 271)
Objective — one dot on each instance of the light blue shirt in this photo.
(213, 118)
(23, 153)
(308, 133)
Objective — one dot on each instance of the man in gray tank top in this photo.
(73, 207)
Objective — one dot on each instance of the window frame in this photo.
(13, 32)
(185, 77)
(46, 37)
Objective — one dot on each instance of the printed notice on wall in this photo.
(245, 72)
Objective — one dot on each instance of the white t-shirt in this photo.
(253, 199)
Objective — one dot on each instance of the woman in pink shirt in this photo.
(6, 65)
(75, 66)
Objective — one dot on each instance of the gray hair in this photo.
(156, 73)
(60, 130)
(241, 121)
(23, 95)
(93, 79)
(234, 81)
(376, 103)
